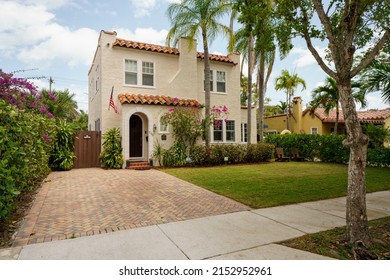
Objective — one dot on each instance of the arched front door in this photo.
(136, 137)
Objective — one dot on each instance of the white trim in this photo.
(139, 73)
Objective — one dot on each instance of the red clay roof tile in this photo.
(371, 116)
(157, 100)
(164, 49)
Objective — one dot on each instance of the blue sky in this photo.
(58, 38)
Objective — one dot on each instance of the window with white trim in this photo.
(314, 130)
(221, 81)
(218, 130)
(230, 131)
(244, 132)
(163, 127)
(139, 73)
(217, 81)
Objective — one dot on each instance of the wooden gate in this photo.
(87, 149)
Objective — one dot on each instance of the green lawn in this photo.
(272, 184)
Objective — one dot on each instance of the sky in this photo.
(58, 38)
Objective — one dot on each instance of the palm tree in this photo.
(377, 78)
(327, 96)
(199, 18)
(61, 104)
(289, 83)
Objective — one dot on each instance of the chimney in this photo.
(297, 114)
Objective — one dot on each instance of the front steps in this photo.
(139, 165)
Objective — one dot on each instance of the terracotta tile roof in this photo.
(145, 46)
(167, 50)
(371, 116)
(157, 100)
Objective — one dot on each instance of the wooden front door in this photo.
(136, 137)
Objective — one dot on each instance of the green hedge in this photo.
(327, 148)
(25, 140)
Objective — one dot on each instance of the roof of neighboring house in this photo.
(371, 116)
(157, 100)
(167, 50)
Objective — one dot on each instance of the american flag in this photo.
(112, 104)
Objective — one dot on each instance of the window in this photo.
(163, 127)
(230, 131)
(97, 125)
(134, 75)
(130, 72)
(147, 74)
(314, 130)
(244, 132)
(221, 81)
(217, 81)
(218, 130)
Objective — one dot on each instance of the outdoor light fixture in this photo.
(154, 128)
(226, 159)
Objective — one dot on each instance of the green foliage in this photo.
(81, 122)
(24, 144)
(174, 156)
(378, 157)
(158, 152)
(332, 149)
(377, 134)
(111, 157)
(236, 153)
(62, 153)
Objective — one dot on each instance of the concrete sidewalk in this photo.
(241, 235)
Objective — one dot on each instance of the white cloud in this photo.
(31, 34)
(142, 7)
(146, 35)
(305, 57)
(49, 4)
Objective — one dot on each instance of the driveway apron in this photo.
(84, 202)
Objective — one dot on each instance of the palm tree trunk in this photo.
(337, 118)
(261, 90)
(206, 88)
(250, 69)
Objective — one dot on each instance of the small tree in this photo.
(111, 157)
(62, 153)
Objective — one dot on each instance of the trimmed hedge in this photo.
(327, 148)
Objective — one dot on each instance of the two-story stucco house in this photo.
(150, 79)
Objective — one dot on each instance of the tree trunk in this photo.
(356, 215)
(250, 69)
(261, 90)
(206, 89)
(337, 119)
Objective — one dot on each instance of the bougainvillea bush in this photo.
(26, 133)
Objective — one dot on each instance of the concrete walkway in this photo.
(243, 235)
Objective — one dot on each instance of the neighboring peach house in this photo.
(150, 79)
(302, 121)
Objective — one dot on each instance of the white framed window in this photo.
(230, 131)
(217, 81)
(139, 73)
(218, 130)
(163, 127)
(224, 131)
(314, 130)
(244, 132)
(221, 81)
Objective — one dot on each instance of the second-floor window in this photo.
(139, 73)
(217, 81)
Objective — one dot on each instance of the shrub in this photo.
(378, 157)
(174, 156)
(24, 144)
(111, 157)
(332, 149)
(62, 154)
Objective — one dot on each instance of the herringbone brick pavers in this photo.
(84, 202)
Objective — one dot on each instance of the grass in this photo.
(273, 184)
(332, 243)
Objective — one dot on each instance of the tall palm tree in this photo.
(61, 104)
(327, 96)
(289, 83)
(199, 18)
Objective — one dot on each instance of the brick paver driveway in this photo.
(92, 201)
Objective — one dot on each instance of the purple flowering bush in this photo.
(26, 132)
